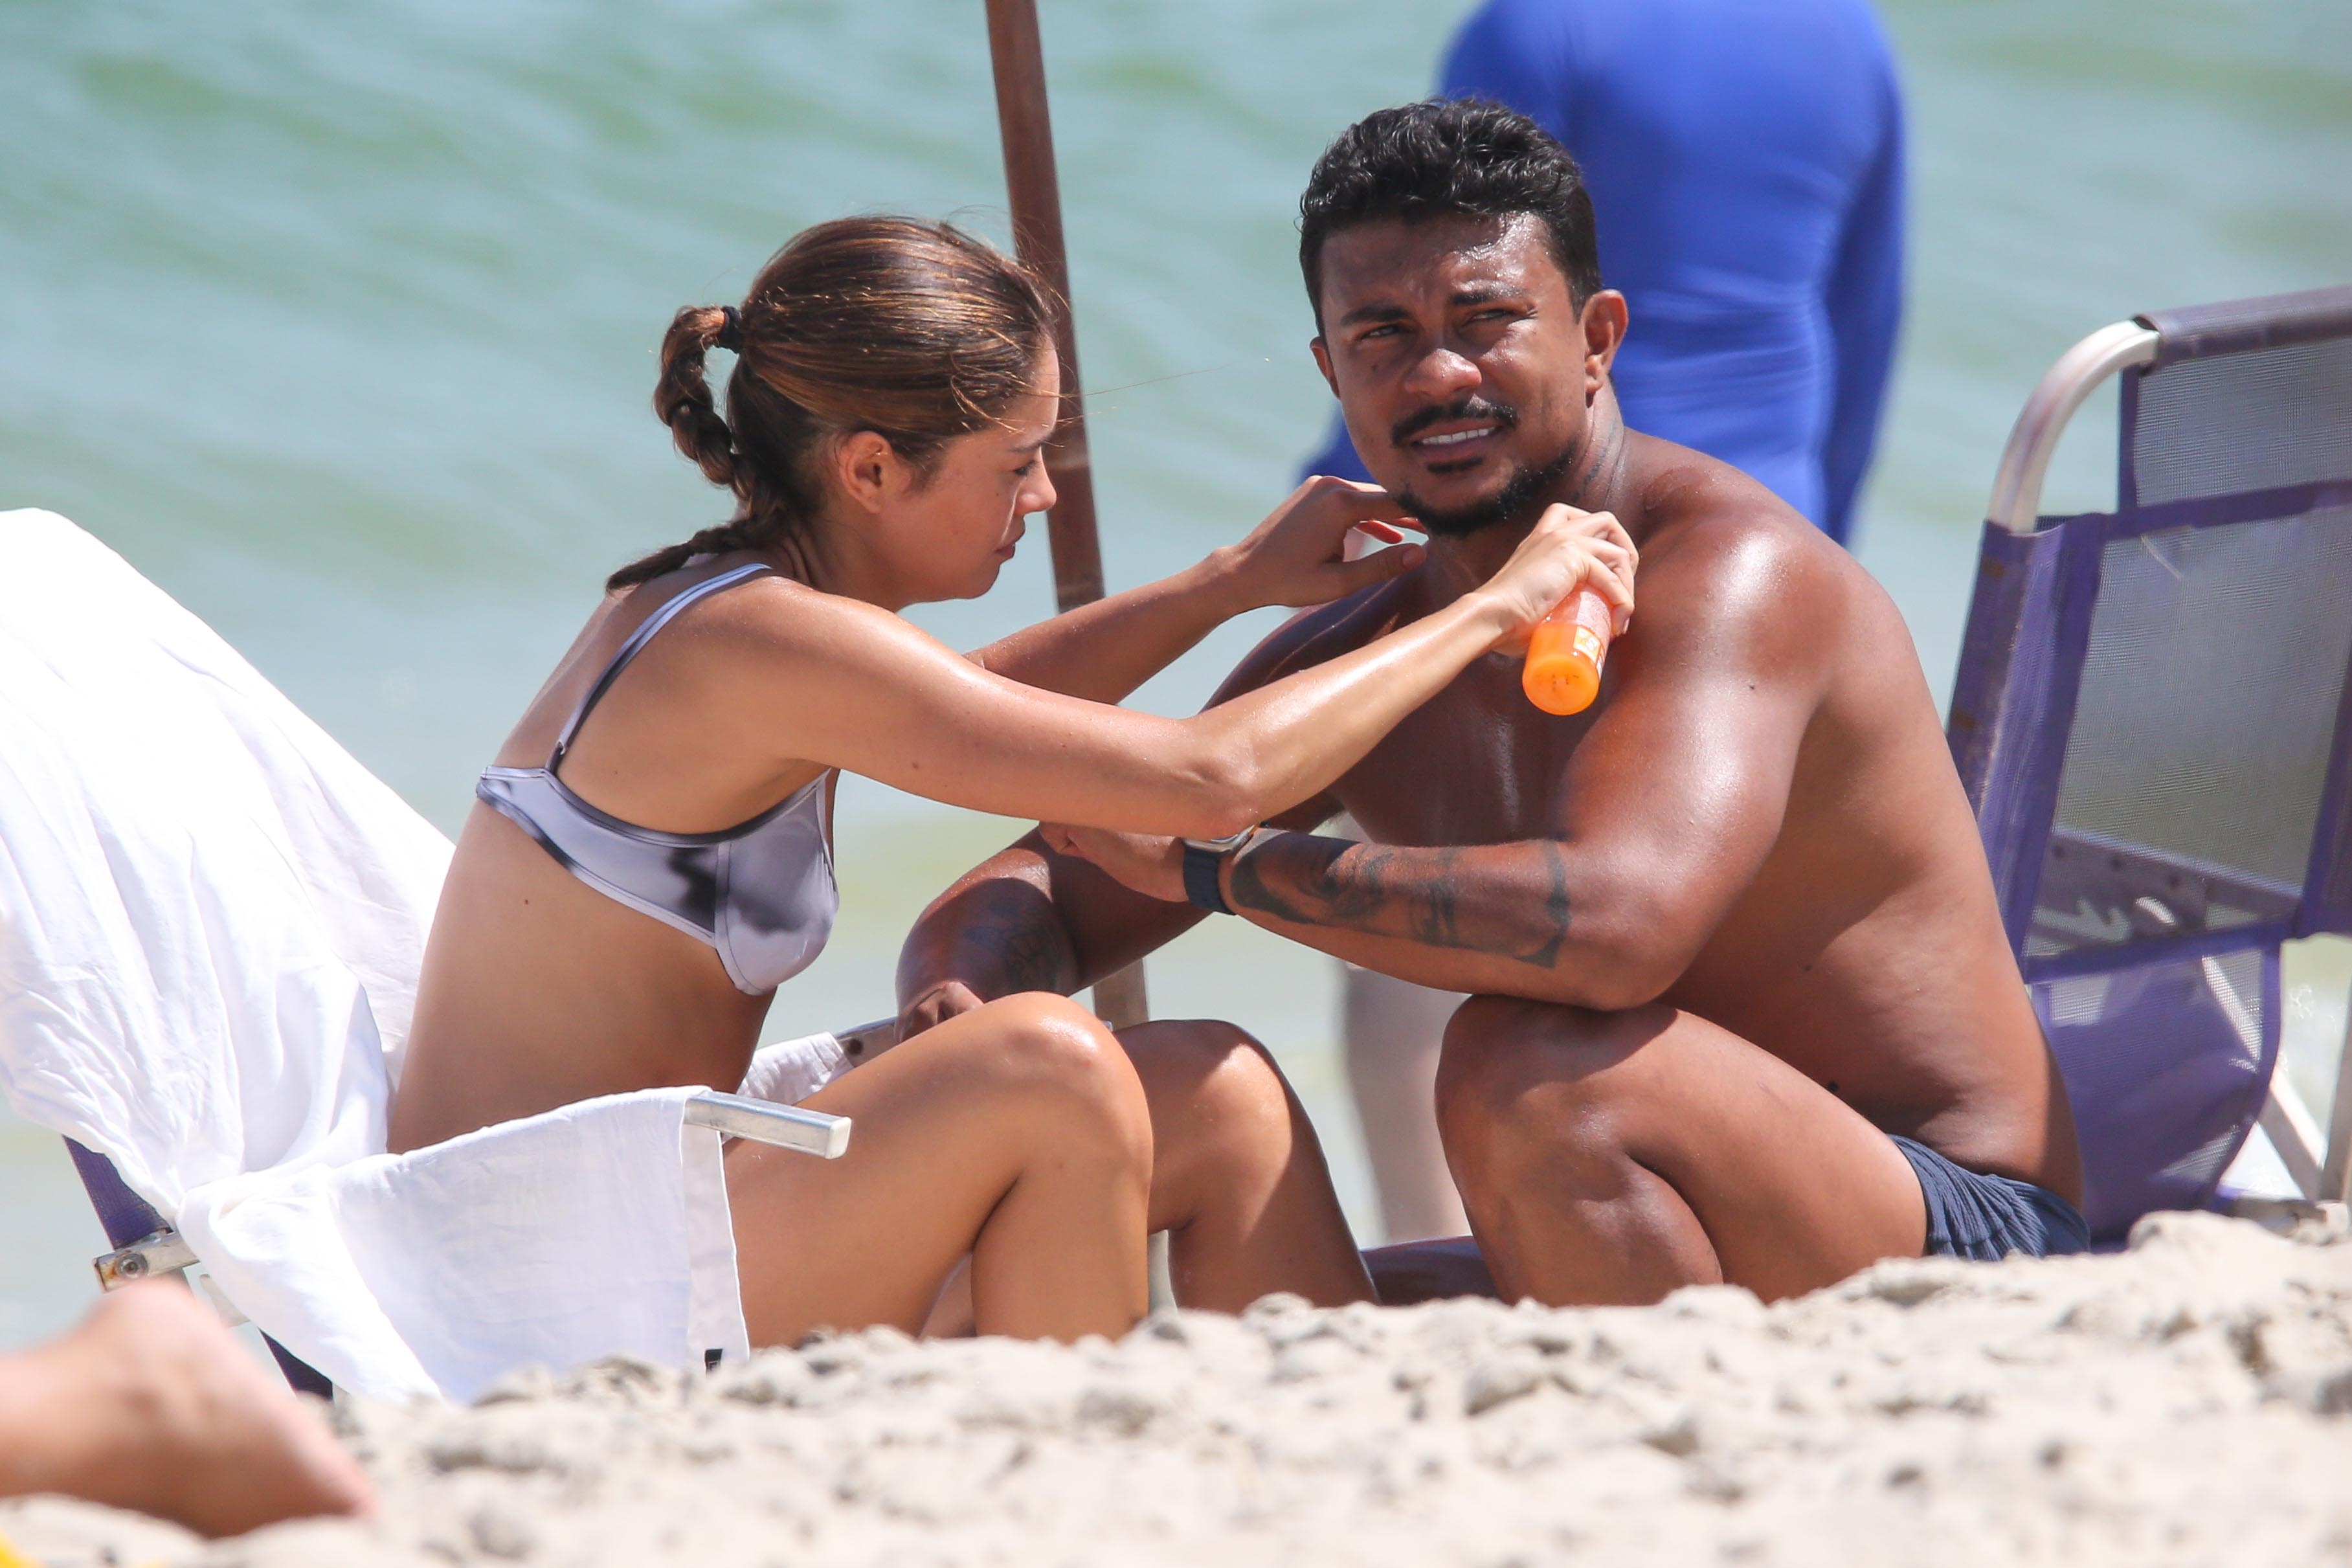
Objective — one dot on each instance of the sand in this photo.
(2187, 1401)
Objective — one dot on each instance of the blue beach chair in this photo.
(2153, 720)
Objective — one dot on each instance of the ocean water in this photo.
(340, 325)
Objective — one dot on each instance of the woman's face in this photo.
(947, 535)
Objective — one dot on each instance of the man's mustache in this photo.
(1501, 414)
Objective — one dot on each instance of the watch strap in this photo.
(1201, 863)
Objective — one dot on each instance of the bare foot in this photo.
(152, 1404)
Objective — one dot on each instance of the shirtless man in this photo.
(1743, 1009)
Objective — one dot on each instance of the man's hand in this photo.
(930, 1008)
(1145, 863)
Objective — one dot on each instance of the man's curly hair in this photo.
(1457, 155)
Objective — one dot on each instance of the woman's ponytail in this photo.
(915, 331)
(682, 400)
(682, 397)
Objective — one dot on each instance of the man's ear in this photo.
(1603, 319)
(1323, 361)
(867, 468)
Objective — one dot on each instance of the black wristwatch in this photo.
(1202, 856)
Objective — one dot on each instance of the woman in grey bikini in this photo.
(652, 856)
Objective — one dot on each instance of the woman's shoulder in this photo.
(775, 626)
(769, 608)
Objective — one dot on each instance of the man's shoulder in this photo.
(1719, 548)
(1323, 632)
(1692, 504)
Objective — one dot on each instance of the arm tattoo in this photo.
(1020, 950)
(1506, 901)
(997, 935)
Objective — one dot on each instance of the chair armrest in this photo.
(152, 1255)
(2017, 485)
(864, 1042)
(763, 1121)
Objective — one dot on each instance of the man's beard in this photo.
(1520, 492)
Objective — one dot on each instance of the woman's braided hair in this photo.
(915, 331)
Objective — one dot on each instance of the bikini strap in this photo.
(637, 640)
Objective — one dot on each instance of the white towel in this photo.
(211, 918)
(595, 1230)
(790, 1070)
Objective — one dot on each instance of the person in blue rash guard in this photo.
(1744, 159)
(1746, 162)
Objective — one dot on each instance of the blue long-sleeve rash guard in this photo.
(1746, 163)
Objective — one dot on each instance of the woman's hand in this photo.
(1565, 550)
(1145, 862)
(1298, 556)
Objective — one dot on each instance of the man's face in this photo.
(1463, 366)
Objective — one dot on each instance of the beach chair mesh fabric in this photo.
(2229, 423)
(2165, 1064)
(2150, 719)
(2194, 769)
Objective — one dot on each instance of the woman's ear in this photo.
(868, 470)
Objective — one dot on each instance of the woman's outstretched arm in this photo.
(853, 687)
(1297, 557)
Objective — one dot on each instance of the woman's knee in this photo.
(1054, 1053)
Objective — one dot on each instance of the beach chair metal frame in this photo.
(2235, 455)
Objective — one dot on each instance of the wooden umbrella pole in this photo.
(1028, 128)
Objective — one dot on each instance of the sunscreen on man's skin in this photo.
(1565, 654)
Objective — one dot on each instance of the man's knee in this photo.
(1518, 1080)
(1192, 1048)
(1214, 1087)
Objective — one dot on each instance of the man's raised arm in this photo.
(1665, 815)
(1661, 819)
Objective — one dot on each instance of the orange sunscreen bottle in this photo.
(1565, 652)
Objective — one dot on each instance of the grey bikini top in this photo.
(760, 893)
